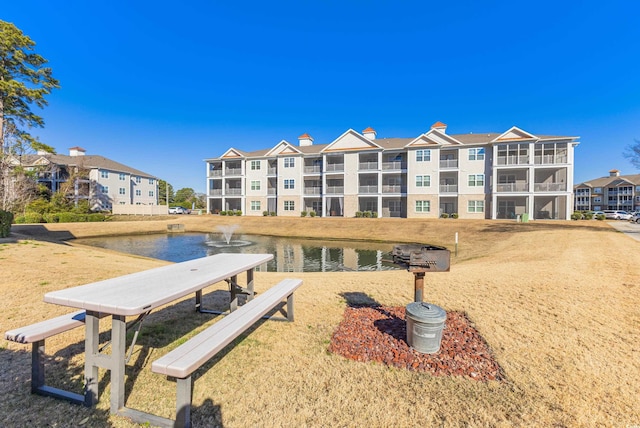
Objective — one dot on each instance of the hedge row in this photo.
(59, 218)
(6, 218)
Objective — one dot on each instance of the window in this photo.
(150, 192)
(122, 176)
(104, 174)
(476, 180)
(597, 200)
(290, 184)
(138, 192)
(597, 190)
(255, 184)
(423, 180)
(122, 191)
(423, 206)
(475, 206)
(289, 205)
(255, 165)
(255, 205)
(289, 162)
(138, 180)
(105, 189)
(423, 155)
(476, 154)
(151, 181)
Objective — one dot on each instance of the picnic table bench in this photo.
(182, 361)
(36, 334)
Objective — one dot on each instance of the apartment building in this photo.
(614, 192)
(102, 181)
(474, 175)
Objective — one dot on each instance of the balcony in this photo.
(394, 188)
(512, 187)
(549, 159)
(233, 171)
(312, 190)
(393, 165)
(549, 187)
(313, 169)
(215, 192)
(513, 160)
(215, 173)
(272, 170)
(335, 190)
(448, 163)
(448, 188)
(368, 166)
(271, 191)
(335, 167)
(368, 189)
(233, 191)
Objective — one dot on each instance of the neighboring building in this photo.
(615, 192)
(100, 180)
(487, 175)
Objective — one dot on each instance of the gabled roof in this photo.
(84, 162)
(434, 137)
(283, 148)
(233, 153)
(615, 181)
(514, 134)
(351, 140)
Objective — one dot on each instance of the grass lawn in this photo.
(557, 302)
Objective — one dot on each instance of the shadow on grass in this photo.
(40, 233)
(159, 329)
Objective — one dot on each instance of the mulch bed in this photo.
(378, 333)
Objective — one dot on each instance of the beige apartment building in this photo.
(475, 176)
(102, 181)
(615, 192)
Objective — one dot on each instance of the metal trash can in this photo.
(425, 323)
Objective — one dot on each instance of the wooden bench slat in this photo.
(47, 328)
(188, 357)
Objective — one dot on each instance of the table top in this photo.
(143, 291)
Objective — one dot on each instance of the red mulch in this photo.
(378, 333)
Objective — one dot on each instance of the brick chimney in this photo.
(369, 133)
(305, 140)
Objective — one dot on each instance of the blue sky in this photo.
(160, 85)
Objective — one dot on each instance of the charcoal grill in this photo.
(419, 259)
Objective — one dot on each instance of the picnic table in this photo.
(138, 294)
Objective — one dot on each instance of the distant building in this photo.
(614, 192)
(102, 181)
(474, 175)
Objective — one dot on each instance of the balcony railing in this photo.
(368, 189)
(368, 166)
(448, 188)
(448, 163)
(549, 159)
(313, 169)
(335, 167)
(335, 190)
(550, 187)
(215, 192)
(513, 160)
(393, 188)
(215, 173)
(271, 191)
(233, 171)
(312, 190)
(272, 170)
(233, 191)
(512, 187)
(394, 165)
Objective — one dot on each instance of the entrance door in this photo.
(506, 209)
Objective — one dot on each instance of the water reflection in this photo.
(290, 255)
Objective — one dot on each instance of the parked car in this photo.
(177, 210)
(616, 215)
(635, 217)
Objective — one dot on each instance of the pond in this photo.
(290, 255)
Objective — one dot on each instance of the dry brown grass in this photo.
(558, 303)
